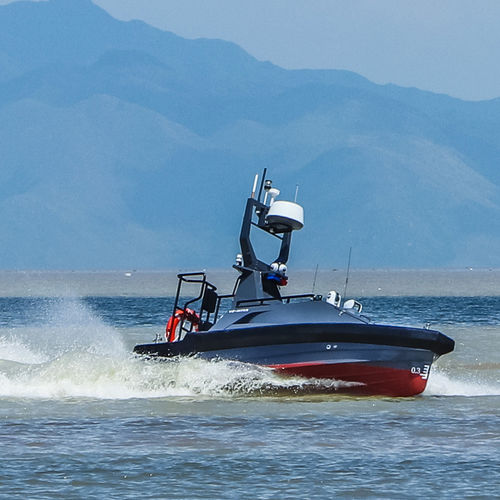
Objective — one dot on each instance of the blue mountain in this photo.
(122, 145)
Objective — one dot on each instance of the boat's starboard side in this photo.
(372, 359)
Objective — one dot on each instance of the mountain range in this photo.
(124, 146)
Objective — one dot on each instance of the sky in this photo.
(445, 46)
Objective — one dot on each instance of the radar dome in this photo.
(285, 216)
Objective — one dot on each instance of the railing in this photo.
(204, 285)
(283, 298)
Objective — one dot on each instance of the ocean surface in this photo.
(81, 417)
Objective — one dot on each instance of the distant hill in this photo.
(124, 146)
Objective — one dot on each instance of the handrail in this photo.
(286, 298)
(220, 298)
(197, 273)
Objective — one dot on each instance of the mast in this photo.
(258, 279)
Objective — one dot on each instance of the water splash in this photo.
(84, 374)
(15, 350)
(442, 383)
(75, 354)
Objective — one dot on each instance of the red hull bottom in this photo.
(372, 380)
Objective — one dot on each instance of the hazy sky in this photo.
(449, 46)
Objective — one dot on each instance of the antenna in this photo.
(314, 280)
(296, 193)
(348, 270)
(262, 183)
(254, 185)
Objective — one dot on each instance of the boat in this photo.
(302, 335)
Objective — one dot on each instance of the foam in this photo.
(76, 355)
(88, 375)
(443, 384)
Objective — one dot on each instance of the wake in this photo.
(76, 355)
(83, 374)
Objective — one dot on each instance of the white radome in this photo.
(285, 216)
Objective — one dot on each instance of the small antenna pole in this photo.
(296, 193)
(262, 183)
(314, 280)
(348, 270)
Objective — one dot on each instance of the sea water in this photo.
(81, 417)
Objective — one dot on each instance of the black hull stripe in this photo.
(416, 338)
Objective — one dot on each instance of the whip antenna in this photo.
(347, 273)
(262, 183)
(314, 280)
